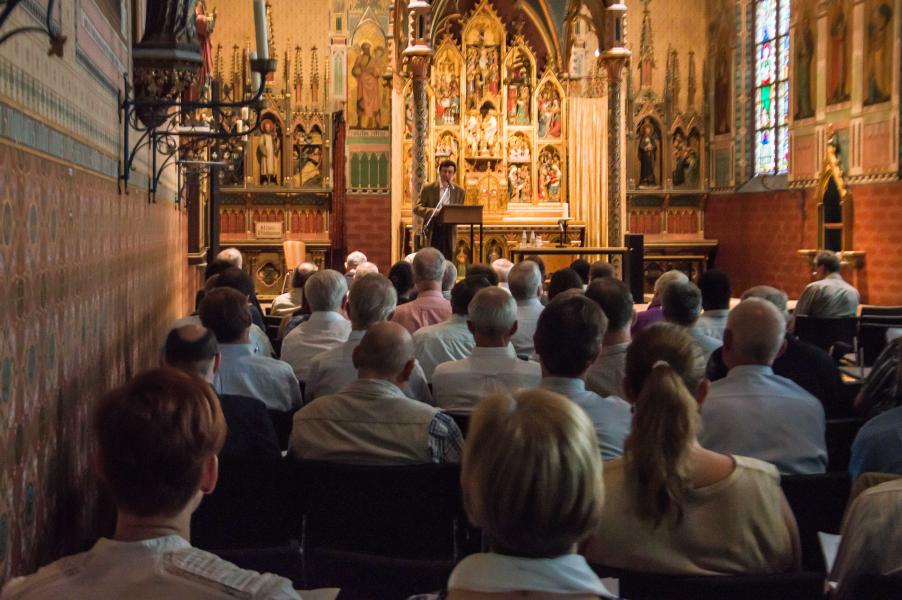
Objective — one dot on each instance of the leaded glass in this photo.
(764, 106)
(783, 44)
(784, 17)
(765, 20)
(766, 65)
(783, 153)
(764, 156)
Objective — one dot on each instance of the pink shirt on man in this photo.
(430, 308)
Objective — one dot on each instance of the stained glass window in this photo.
(771, 86)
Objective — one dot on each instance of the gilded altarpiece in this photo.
(500, 120)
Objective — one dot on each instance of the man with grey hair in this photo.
(829, 296)
(681, 304)
(654, 313)
(802, 362)
(372, 299)
(362, 269)
(371, 421)
(285, 304)
(430, 306)
(525, 285)
(325, 329)
(502, 268)
(448, 279)
(493, 366)
(354, 259)
(231, 256)
(752, 411)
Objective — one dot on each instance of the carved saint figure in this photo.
(838, 90)
(880, 51)
(473, 136)
(367, 70)
(490, 134)
(204, 24)
(805, 49)
(648, 154)
(268, 148)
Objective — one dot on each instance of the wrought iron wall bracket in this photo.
(167, 140)
(52, 29)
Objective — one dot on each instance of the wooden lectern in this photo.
(462, 214)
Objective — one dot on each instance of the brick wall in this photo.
(760, 233)
(368, 228)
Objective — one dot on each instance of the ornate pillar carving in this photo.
(615, 57)
(419, 67)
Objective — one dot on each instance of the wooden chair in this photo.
(377, 531)
(652, 586)
(295, 253)
(818, 502)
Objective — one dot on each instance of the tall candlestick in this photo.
(255, 75)
(260, 27)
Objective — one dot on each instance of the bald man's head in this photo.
(192, 348)
(231, 256)
(755, 334)
(385, 352)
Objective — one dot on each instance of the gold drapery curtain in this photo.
(587, 168)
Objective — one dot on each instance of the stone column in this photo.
(419, 66)
(614, 66)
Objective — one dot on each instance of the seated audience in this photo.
(600, 269)
(448, 279)
(285, 304)
(563, 280)
(567, 340)
(538, 260)
(325, 329)
(502, 268)
(829, 296)
(372, 299)
(671, 506)
(451, 340)
(716, 292)
(401, 277)
(482, 270)
(493, 366)
(878, 445)
(605, 376)
(250, 433)
(362, 269)
(157, 441)
(241, 372)
(525, 285)
(654, 313)
(213, 268)
(371, 420)
(430, 307)
(681, 304)
(582, 268)
(802, 362)
(532, 512)
(753, 411)
(871, 540)
(882, 390)
(353, 260)
(234, 258)
(237, 279)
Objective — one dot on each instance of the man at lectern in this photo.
(428, 207)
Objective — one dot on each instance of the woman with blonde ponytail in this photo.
(670, 505)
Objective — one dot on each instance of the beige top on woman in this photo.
(732, 526)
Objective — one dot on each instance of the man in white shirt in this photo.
(372, 299)
(493, 365)
(451, 340)
(605, 376)
(681, 304)
(430, 306)
(285, 304)
(371, 421)
(325, 329)
(829, 297)
(753, 412)
(567, 340)
(525, 283)
(716, 292)
(241, 372)
(157, 477)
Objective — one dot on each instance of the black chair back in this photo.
(651, 586)
(840, 434)
(463, 422)
(818, 502)
(875, 322)
(282, 422)
(824, 333)
(282, 560)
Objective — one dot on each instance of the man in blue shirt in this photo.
(878, 446)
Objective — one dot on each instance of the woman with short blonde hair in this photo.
(672, 506)
(532, 480)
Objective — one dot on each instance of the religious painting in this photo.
(878, 56)
(550, 175)
(268, 151)
(685, 158)
(839, 51)
(518, 149)
(519, 182)
(648, 153)
(408, 114)
(723, 35)
(368, 99)
(446, 84)
(307, 156)
(446, 148)
(519, 68)
(407, 174)
(483, 39)
(549, 111)
(805, 80)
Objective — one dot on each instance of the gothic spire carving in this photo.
(646, 50)
(690, 84)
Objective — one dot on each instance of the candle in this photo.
(255, 75)
(245, 113)
(566, 210)
(261, 30)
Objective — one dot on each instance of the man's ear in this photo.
(407, 371)
(209, 474)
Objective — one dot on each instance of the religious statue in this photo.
(518, 90)
(205, 23)
(648, 154)
(490, 135)
(447, 96)
(805, 50)
(473, 131)
(549, 112)
(367, 70)
(722, 100)
(549, 176)
(838, 90)
(880, 52)
(268, 150)
(518, 149)
(518, 183)
(679, 156)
